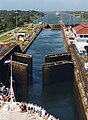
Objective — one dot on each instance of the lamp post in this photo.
(60, 18)
(16, 19)
(74, 19)
(82, 15)
(69, 19)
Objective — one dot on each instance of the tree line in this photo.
(11, 19)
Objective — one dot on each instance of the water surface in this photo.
(57, 99)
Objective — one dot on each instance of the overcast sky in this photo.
(44, 5)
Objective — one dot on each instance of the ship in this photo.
(7, 96)
(57, 14)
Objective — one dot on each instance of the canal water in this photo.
(52, 18)
(57, 99)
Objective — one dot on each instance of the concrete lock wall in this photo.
(4, 74)
(57, 57)
(20, 72)
(26, 59)
(78, 100)
(6, 52)
(57, 71)
(55, 26)
(1, 73)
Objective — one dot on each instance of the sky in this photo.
(44, 5)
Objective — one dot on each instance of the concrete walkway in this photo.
(5, 33)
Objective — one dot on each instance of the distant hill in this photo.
(11, 19)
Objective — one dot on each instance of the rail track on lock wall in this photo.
(80, 68)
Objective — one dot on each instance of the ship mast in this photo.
(11, 84)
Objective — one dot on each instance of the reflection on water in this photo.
(56, 99)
